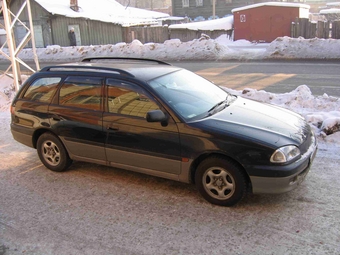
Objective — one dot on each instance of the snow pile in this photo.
(292, 48)
(203, 48)
(7, 92)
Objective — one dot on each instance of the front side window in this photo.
(42, 89)
(199, 2)
(185, 3)
(128, 99)
(81, 92)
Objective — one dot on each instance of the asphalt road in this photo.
(272, 76)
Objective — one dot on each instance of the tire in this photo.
(220, 181)
(52, 153)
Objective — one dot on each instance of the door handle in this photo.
(56, 118)
(112, 128)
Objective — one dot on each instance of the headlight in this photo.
(285, 154)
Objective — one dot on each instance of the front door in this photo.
(132, 142)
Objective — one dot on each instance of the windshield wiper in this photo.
(229, 99)
(216, 105)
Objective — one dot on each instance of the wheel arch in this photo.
(204, 156)
(38, 133)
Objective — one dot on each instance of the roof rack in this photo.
(91, 68)
(121, 58)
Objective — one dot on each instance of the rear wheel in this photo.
(220, 181)
(52, 153)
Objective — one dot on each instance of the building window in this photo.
(185, 3)
(199, 2)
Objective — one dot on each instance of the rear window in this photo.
(42, 89)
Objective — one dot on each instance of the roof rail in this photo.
(91, 68)
(121, 58)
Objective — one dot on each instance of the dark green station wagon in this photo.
(154, 118)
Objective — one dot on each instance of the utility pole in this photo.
(11, 47)
(214, 9)
(14, 50)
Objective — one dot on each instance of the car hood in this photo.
(259, 121)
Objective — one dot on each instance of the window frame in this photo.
(129, 86)
(54, 91)
(199, 3)
(85, 80)
(185, 3)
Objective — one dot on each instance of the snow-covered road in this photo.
(95, 209)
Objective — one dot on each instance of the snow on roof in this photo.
(174, 18)
(305, 6)
(333, 4)
(216, 24)
(102, 10)
(330, 11)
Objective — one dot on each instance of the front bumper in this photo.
(276, 185)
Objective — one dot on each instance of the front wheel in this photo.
(52, 153)
(220, 181)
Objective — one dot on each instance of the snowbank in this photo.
(204, 48)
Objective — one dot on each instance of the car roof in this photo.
(141, 69)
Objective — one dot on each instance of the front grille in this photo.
(308, 140)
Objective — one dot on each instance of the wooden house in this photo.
(53, 19)
(204, 8)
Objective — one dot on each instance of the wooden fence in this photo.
(146, 34)
(320, 29)
(162, 33)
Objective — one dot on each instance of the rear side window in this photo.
(42, 89)
(81, 92)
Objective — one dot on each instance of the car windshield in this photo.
(190, 95)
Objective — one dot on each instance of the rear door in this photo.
(132, 142)
(77, 118)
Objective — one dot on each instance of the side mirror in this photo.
(156, 116)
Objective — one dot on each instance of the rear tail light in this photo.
(12, 109)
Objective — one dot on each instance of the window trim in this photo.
(77, 80)
(130, 86)
(185, 3)
(56, 88)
